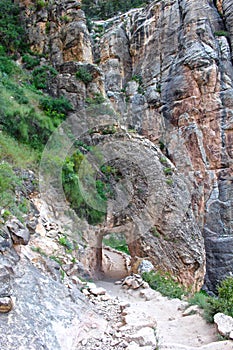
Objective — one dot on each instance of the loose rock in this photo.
(224, 324)
(5, 304)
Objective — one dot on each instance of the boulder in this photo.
(19, 233)
(224, 324)
(97, 291)
(144, 337)
(6, 304)
(145, 266)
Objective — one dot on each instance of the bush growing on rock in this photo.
(83, 75)
(223, 302)
(164, 284)
(42, 75)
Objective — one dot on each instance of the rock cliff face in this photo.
(167, 71)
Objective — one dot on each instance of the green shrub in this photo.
(211, 305)
(223, 303)
(222, 33)
(39, 250)
(16, 91)
(7, 66)
(164, 284)
(163, 160)
(96, 100)
(9, 182)
(30, 62)
(161, 145)
(118, 243)
(65, 19)
(168, 171)
(15, 153)
(60, 105)
(63, 240)
(137, 78)
(200, 299)
(73, 194)
(42, 76)
(40, 4)
(28, 126)
(83, 75)
(169, 182)
(12, 33)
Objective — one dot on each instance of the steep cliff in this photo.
(167, 72)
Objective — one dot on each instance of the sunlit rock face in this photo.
(167, 71)
(58, 30)
(182, 51)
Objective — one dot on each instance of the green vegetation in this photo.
(9, 183)
(163, 160)
(40, 4)
(103, 9)
(155, 232)
(56, 258)
(100, 181)
(12, 33)
(200, 299)
(63, 240)
(116, 242)
(7, 66)
(27, 115)
(42, 76)
(65, 19)
(73, 193)
(164, 284)
(224, 301)
(169, 182)
(83, 75)
(137, 78)
(12, 152)
(168, 171)
(161, 145)
(222, 33)
(96, 100)
(39, 250)
(55, 108)
(62, 273)
(30, 61)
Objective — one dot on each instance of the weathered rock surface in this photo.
(59, 31)
(167, 70)
(227, 7)
(224, 324)
(19, 233)
(46, 314)
(186, 77)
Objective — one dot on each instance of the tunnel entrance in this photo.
(115, 256)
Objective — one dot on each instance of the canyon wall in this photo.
(166, 69)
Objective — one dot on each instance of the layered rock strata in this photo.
(167, 71)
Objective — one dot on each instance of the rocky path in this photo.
(144, 319)
(117, 317)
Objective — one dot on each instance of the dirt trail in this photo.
(114, 265)
(173, 330)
